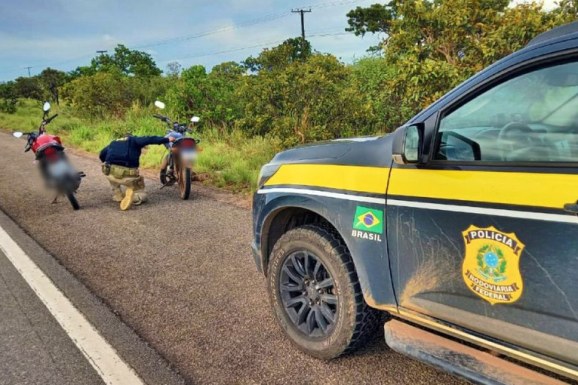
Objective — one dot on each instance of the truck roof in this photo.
(555, 34)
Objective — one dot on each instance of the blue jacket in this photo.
(126, 152)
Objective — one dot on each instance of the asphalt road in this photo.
(33, 347)
(181, 275)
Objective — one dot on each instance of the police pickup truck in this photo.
(459, 230)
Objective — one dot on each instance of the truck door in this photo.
(484, 235)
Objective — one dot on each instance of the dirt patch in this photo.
(430, 275)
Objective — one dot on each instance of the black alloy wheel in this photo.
(307, 292)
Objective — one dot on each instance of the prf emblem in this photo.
(491, 266)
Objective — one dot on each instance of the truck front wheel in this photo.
(315, 293)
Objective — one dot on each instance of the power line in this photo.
(263, 19)
(332, 4)
(270, 43)
(177, 39)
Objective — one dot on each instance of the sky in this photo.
(65, 34)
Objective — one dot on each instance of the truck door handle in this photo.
(571, 207)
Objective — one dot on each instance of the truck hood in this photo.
(364, 151)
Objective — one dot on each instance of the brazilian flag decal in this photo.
(367, 219)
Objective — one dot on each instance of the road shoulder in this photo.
(149, 365)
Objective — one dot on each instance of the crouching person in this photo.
(121, 160)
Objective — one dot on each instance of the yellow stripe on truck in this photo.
(528, 189)
(514, 188)
(350, 178)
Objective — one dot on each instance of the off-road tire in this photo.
(355, 321)
(185, 190)
(163, 176)
(163, 173)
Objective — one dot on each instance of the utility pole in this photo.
(101, 52)
(28, 68)
(302, 12)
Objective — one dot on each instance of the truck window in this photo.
(530, 118)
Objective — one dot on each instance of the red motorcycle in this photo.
(54, 166)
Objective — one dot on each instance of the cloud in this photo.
(50, 48)
(248, 4)
(65, 34)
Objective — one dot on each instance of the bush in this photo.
(110, 94)
(306, 101)
(8, 105)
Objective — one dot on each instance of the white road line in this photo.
(355, 198)
(105, 360)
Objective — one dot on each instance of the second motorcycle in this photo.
(177, 165)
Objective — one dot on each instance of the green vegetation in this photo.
(289, 94)
(229, 160)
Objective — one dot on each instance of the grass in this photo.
(228, 160)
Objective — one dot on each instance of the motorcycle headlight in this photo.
(267, 171)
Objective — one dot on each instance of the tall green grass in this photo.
(228, 160)
(233, 161)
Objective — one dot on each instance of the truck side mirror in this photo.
(407, 145)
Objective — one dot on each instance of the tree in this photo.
(81, 71)
(376, 18)
(29, 88)
(215, 96)
(7, 90)
(228, 69)
(188, 94)
(52, 80)
(289, 51)
(567, 9)
(174, 68)
(9, 97)
(127, 62)
(431, 46)
(305, 101)
(100, 95)
(373, 19)
(224, 99)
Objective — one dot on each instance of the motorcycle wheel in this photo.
(163, 174)
(185, 183)
(73, 201)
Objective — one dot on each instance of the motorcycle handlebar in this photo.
(51, 118)
(162, 117)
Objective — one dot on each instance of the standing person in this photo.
(120, 166)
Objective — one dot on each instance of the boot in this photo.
(127, 201)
